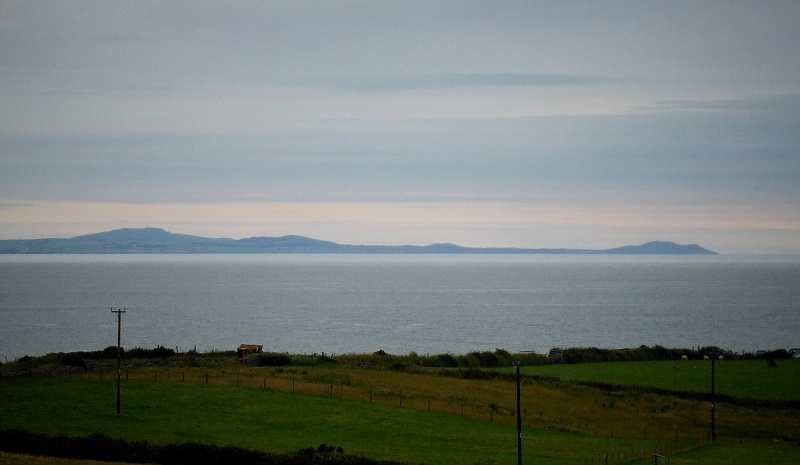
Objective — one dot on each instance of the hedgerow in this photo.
(103, 448)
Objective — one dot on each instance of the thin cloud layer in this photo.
(617, 123)
(452, 81)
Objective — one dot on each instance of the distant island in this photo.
(159, 241)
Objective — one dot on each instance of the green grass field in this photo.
(278, 421)
(587, 423)
(749, 379)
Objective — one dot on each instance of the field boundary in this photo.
(104, 448)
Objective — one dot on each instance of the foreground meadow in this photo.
(414, 415)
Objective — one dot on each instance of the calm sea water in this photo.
(398, 303)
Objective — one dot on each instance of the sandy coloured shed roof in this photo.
(250, 347)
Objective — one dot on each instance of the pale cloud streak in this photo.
(454, 80)
(419, 223)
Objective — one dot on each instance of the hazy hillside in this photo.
(156, 240)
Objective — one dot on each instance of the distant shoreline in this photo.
(159, 241)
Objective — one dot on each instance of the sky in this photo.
(577, 124)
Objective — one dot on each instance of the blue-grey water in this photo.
(398, 303)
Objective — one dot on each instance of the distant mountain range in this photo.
(159, 241)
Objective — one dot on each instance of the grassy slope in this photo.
(276, 421)
(168, 411)
(751, 379)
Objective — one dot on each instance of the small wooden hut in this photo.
(248, 349)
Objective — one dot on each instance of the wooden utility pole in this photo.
(119, 350)
(713, 425)
(519, 421)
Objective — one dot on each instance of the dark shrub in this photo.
(641, 353)
(274, 360)
(503, 357)
(73, 361)
(469, 360)
(110, 352)
(446, 361)
(104, 448)
(485, 359)
(158, 352)
(779, 354)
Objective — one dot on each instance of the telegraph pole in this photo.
(519, 421)
(119, 349)
(713, 425)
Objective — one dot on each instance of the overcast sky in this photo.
(532, 124)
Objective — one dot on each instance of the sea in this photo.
(429, 304)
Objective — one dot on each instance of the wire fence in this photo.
(298, 380)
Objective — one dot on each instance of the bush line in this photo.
(644, 354)
(103, 448)
(94, 360)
